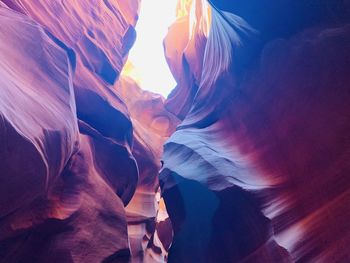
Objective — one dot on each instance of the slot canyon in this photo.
(246, 160)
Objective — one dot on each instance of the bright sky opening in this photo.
(147, 54)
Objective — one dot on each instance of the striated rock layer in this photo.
(84, 143)
(258, 171)
(152, 124)
(67, 168)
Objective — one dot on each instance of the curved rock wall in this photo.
(152, 124)
(255, 166)
(67, 168)
(41, 144)
(258, 169)
(87, 140)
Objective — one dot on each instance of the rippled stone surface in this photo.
(258, 169)
(153, 124)
(67, 170)
(255, 166)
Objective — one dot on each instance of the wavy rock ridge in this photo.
(258, 169)
(63, 188)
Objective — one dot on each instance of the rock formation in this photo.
(67, 168)
(258, 169)
(152, 124)
(247, 160)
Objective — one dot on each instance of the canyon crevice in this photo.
(247, 160)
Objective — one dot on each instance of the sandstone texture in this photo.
(247, 160)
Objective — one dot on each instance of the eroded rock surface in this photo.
(67, 170)
(152, 124)
(258, 169)
(256, 163)
(35, 146)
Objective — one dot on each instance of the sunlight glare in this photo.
(147, 54)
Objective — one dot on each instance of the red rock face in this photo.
(255, 166)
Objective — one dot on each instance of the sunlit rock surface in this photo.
(152, 124)
(258, 171)
(184, 49)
